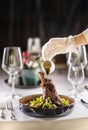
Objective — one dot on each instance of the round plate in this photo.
(40, 112)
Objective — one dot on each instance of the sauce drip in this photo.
(47, 65)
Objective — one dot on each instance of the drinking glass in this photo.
(34, 46)
(79, 55)
(75, 76)
(12, 64)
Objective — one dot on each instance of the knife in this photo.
(84, 102)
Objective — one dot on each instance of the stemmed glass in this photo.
(79, 54)
(77, 57)
(75, 76)
(34, 46)
(12, 64)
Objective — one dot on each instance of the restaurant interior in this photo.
(21, 23)
(20, 20)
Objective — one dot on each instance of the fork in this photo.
(3, 108)
(11, 109)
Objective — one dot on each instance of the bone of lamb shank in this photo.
(49, 90)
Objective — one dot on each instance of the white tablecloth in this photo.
(62, 85)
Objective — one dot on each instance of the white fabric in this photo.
(57, 46)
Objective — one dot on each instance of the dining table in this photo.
(76, 120)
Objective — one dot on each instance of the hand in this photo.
(57, 46)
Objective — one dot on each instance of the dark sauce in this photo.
(47, 66)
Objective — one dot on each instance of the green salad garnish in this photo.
(48, 103)
(38, 102)
(65, 102)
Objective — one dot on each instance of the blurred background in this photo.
(22, 19)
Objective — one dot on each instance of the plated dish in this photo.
(48, 104)
(45, 112)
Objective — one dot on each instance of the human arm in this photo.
(82, 38)
(63, 45)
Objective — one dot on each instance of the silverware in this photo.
(11, 109)
(84, 103)
(3, 108)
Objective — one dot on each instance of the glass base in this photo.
(13, 96)
(74, 94)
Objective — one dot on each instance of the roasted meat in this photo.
(49, 90)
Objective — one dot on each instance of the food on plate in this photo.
(49, 90)
(49, 99)
(39, 103)
(47, 104)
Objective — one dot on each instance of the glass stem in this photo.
(13, 85)
(75, 86)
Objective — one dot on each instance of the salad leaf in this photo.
(65, 102)
(38, 102)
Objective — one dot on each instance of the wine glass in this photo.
(75, 76)
(79, 55)
(12, 64)
(34, 46)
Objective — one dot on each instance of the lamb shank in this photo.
(49, 90)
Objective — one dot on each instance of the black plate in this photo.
(40, 112)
